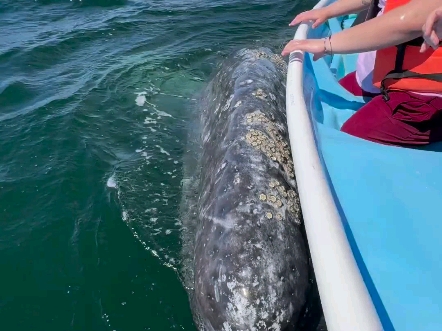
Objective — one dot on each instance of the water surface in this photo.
(95, 100)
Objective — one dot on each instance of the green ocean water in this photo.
(95, 101)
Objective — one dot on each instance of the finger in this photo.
(290, 47)
(294, 22)
(424, 47)
(286, 51)
(438, 31)
(429, 40)
(298, 19)
(431, 20)
(434, 40)
(317, 23)
(428, 26)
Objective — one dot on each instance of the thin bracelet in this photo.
(326, 51)
(331, 48)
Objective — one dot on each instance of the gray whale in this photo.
(251, 268)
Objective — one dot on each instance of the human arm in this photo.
(400, 25)
(432, 30)
(338, 8)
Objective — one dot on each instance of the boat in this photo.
(372, 212)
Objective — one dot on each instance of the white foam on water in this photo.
(131, 222)
(149, 120)
(140, 100)
(152, 105)
(177, 96)
(111, 182)
(146, 157)
(124, 215)
(162, 150)
(163, 113)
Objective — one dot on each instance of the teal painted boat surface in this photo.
(389, 199)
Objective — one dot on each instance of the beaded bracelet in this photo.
(326, 51)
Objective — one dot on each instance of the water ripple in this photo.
(96, 99)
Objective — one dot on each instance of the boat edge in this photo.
(345, 299)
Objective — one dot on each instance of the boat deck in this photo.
(389, 200)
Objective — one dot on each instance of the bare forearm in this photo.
(403, 24)
(344, 7)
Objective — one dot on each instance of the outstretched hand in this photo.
(432, 30)
(317, 16)
(314, 46)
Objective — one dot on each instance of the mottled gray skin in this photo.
(251, 265)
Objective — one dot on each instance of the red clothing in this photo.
(407, 119)
(350, 83)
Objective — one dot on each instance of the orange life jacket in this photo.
(403, 67)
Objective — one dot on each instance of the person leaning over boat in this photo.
(409, 110)
(359, 82)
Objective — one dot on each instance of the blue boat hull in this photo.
(388, 198)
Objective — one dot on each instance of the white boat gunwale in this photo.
(345, 299)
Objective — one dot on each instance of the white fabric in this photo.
(365, 64)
